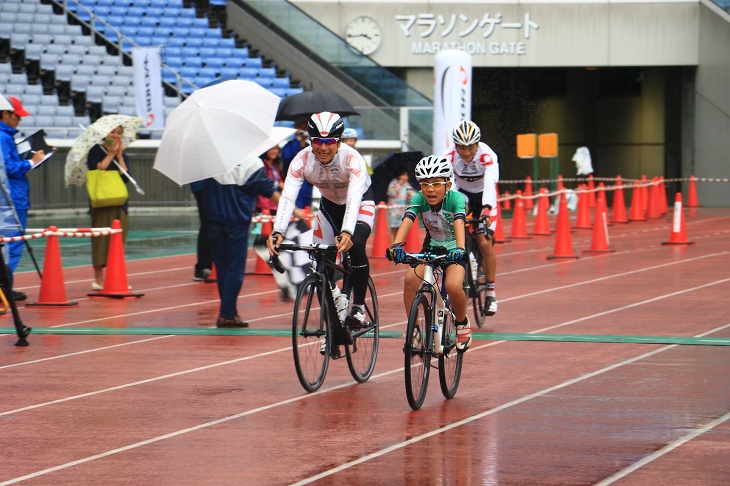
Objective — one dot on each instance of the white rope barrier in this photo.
(66, 232)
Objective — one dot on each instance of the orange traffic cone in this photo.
(636, 213)
(591, 194)
(619, 205)
(599, 242)
(652, 207)
(644, 196)
(115, 281)
(213, 277)
(529, 202)
(583, 218)
(414, 243)
(499, 228)
(507, 204)
(53, 291)
(678, 235)
(692, 200)
(267, 225)
(542, 227)
(563, 243)
(382, 239)
(519, 226)
(662, 196)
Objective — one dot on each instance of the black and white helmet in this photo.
(466, 133)
(325, 125)
(434, 166)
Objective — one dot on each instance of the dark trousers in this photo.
(230, 247)
(205, 257)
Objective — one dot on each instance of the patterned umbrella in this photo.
(94, 134)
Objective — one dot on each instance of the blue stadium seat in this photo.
(174, 62)
(32, 99)
(120, 91)
(86, 69)
(281, 83)
(268, 73)
(207, 53)
(79, 82)
(293, 91)
(63, 121)
(229, 72)
(45, 110)
(214, 62)
(193, 62)
(133, 21)
(149, 21)
(65, 110)
(280, 92)
(255, 62)
(197, 32)
(196, 42)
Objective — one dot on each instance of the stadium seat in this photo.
(79, 82)
(32, 99)
(105, 70)
(116, 91)
(65, 110)
(63, 71)
(63, 121)
(281, 83)
(44, 110)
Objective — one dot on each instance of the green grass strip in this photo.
(479, 336)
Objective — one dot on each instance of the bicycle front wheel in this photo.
(310, 329)
(450, 360)
(362, 353)
(477, 290)
(417, 349)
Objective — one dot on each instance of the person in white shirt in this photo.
(476, 173)
(347, 209)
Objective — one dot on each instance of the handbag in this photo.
(106, 188)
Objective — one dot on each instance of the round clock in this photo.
(363, 34)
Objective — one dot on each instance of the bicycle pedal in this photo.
(347, 335)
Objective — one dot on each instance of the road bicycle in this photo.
(316, 320)
(431, 332)
(476, 282)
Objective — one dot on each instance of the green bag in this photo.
(106, 188)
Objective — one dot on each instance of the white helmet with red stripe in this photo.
(325, 125)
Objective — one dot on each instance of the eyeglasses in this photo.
(325, 141)
(432, 185)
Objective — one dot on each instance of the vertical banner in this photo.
(148, 86)
(452, 95)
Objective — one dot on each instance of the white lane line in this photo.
(664, 450)
(486, 413)
(142, 382)
(104, 348)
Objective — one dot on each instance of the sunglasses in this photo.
(432, 185)
(324, 141)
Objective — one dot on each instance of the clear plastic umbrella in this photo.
(92, 135)
(215, 129)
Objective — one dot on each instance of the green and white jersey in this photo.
(439, 222)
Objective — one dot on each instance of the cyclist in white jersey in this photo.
(347, 209)
(476, 173)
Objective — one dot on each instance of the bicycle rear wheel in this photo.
(309, 330)
(362, 353)
(451, 359)
(417, 351)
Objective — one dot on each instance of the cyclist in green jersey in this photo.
(443, 213)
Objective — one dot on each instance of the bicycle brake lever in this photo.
(274, 261)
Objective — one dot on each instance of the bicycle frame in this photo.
(439, 301)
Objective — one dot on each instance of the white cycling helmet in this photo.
(466, 133)
(434, 166)
(325, 125)
(349, 133)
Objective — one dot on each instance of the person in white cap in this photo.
(16, 168)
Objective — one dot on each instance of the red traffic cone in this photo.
(213, 277)
(692, 200)
(53, 291)
(662, 196)
(414, 243)
(592, 193)
(601, 200)
(619, 205)
(678, 235)
(563, 243)
(519, 226)
(542, 227)
(115, 281)
(583, 218)
(382, 231)
(507, 204)
(262, 266)
(644, 196)
(499, 228)
(636, 212)
(652, 207)
(529, 202)
(599, 242)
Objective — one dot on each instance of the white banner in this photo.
(452, 95)
(148, 86)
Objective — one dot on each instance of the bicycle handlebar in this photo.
(314, 248)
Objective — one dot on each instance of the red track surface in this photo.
(228, 410)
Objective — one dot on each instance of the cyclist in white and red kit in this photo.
(347, 209)
(476, 173)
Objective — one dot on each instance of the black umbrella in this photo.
(303, 105)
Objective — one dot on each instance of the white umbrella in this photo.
(215, 129)
(92, 135)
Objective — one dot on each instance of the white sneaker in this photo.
(491, 306)
(356, 319)
(463, 336)
(323, 348)
(96, 286)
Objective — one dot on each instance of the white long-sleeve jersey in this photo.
(479, 175)
(343, 181)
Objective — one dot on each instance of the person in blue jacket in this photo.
(15, 168)
(230, 200)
